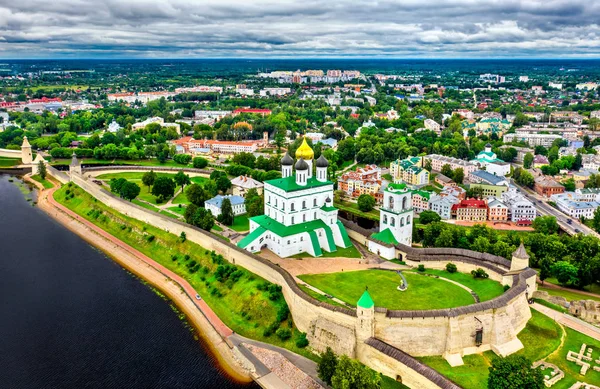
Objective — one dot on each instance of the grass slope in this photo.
(486, 289)
(47, 184)
(241, 305)
(423, 292)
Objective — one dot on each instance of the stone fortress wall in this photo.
(386, 340)
(10, 153)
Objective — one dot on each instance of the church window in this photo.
(408, 220)
(301, 239)
(391, 202)
(401, 222)
(303, 204)
(304, 217)
(315, 216)
(392, 222)
(384, 219)
(404, 203)
(314, 202)
(292, 207)
(292, 220)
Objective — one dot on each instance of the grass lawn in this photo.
(145, 205)
(320, 297)
(540, 337)
(8, 162)
(570, 295)
(353, 209)
(217, 228)
(241, 305)
(178, 210)
(241, 223)
(486, 289)
(551, 306)
(423, 292)
(169, 214)
(593, 288)
(47, 184)
(180, 199)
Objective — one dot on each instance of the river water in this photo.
(72, 318)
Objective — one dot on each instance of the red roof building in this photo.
(471, 210)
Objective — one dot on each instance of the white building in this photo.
(158, 120)
(433, 126)
(438, 161)
(395, 225)
(215, 204)
(442, 205)
(299, 213)
(242, 184)
(519, 208)
(572, 204)
(532, 139)
(113, 126)
(275, 91)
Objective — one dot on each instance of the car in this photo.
(198, 297)
(577, 231)
(569, 221)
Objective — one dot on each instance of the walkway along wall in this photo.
(449, 332)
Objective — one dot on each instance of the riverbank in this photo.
(231, 359)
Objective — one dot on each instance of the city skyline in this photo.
(276, 29)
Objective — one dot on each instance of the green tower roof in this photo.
(366, 301)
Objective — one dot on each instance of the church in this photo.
(299, 213)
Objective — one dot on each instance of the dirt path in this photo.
(569, 321)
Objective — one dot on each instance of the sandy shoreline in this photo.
(228, 361)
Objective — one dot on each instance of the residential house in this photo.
(433, 126)
(420, 200)
(483, 177)
(444, 181)
(242, 184)
(497, 211)
(490, 190)
(546, 186)
(442, 205)
(471, 210)
(410, 171)
(519, 208)
(574, 205)
(215, 204)
(438, 161)
(540, 160)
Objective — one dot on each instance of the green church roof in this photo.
(385, 236)
(366, 301)
(288, 184)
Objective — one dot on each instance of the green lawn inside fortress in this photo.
(541, 339)
(423, 292)
(245, 309)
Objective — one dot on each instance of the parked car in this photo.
(198, 297)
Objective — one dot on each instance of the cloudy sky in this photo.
(307, 28)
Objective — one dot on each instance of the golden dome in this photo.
(304, 151)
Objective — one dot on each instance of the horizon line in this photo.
(304, 58)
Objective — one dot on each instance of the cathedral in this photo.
(299, 213)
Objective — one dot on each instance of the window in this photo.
(391, 201)
(392, 222)
(288, 242)
(404, 202)
(301, 239)
(384, 219)
(315, 216)
(303, 204)
(275, 202)
(292, 207)
(314, 202)
(304, 218)
(292, 220)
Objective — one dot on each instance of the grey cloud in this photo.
(212, 28)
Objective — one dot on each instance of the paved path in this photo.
(569, 321)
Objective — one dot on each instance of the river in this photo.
(72, 318)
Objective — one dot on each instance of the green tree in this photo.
(447, 171)
(365, 202)
(254, 203)
(129, 190)
(545, 225)
(196, 195)
(116, 184)
(351, 374)
(202, 218)
(327, 366)
(514, 372)
(223, 184)
(163, 188)
(200, 163)
(528, 161)
(427, 217)
(182, 179)
(42, 171)
(565, 273)
(226, 217)
(459, 175)
(596, 220)
(148, 179)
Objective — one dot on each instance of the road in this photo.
(547, 210)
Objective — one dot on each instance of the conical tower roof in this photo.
(366, 301)
(25, 142)
(74, 160)
(304, 151)
(520, 252)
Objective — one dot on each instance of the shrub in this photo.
(421, 268)
(283, 313)
(150, 238)
(506, 287)
(479, 273)
(283, 333)
(451, 268)
(302, 342)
